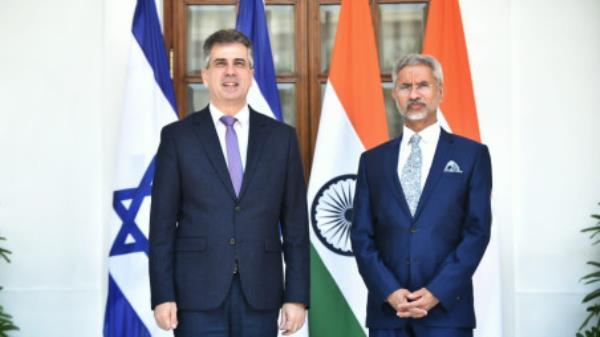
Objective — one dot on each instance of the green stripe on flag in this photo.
(329, 314)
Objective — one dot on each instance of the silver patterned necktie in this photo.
(411, 174)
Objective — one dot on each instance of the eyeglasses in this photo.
(422, 88)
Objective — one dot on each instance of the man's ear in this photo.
(394, 93)
(204, 75)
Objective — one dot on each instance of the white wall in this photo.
(486, 26)
(556, 180)
(535, 65)
(51, 167)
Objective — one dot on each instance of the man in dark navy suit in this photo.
(422, 216)
(228, 184)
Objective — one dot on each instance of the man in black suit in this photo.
(228, 184)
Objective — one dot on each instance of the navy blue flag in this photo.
(263, 95)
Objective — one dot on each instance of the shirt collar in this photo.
(242, 116)
(429, 135)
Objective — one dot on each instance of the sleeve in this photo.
(460, 265)
(294, 226)
(380, 281)
(163, 220)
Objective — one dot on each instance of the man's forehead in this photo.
(229, 50)
(415, 72)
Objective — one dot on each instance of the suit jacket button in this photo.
(238, 208)
(413, 229)
(407, 261)
(458, 298)
(232, 241)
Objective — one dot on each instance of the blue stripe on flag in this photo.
(120, 314)
(252, 22)
(146, 29)
(121, 319)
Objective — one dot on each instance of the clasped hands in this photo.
(414, 305)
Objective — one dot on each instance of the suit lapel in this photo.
(440, 158)
(256, 137)
(391, 167)
(207, 133)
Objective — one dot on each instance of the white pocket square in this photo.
(452, 167)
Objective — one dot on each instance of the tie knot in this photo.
(228, 120)
(414, 140)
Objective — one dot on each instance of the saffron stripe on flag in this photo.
(355, 73)
(445, 40)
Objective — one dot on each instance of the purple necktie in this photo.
(234, 159)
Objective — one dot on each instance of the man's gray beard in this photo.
(414, 116)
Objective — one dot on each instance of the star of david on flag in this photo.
(127, 203)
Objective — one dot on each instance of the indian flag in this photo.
(445, 40)
(352, 121)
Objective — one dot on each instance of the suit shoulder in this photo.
(171, 128)
(467, 143)
(468, 146)
(174, 127)
(382, 148)
(273, 123)
(181, 126)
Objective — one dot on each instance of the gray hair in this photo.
(226, 36)
(419, 59)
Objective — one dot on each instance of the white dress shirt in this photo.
(241, 127)
(429, 140)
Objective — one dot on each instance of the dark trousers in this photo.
(234, 318)
(417, 330)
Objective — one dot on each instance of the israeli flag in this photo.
(263, 95)
(149, 105)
